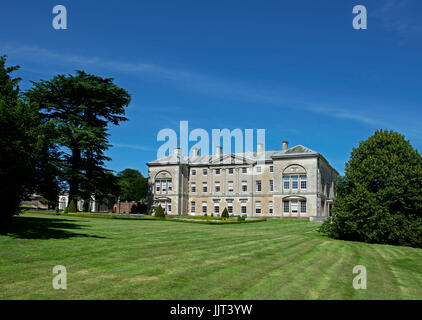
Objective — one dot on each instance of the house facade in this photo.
(290, 182)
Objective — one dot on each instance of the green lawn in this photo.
(123, 259)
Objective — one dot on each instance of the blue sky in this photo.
(295, 68)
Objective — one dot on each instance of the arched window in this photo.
(294, 178)
(163, 183)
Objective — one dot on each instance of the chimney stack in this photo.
(177, 151)
(285, 145)
(218, 151)
(260, 148)
(195, 152)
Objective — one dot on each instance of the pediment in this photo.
(231, 159)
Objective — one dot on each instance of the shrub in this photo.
(225, 214)
(159, 212)
(151, 211)
(205, 215)
(212, 214)
(379, 198)
(57, 210)
(72, 207)
(239, 218)
(66, 210)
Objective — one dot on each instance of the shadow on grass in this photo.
(43, 228)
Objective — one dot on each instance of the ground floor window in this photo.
(270, 207)
(216, 207)
(243, 208)
(258, 207)
(230, 208)
(204, 207)
(192, 207)
(286, 207)
(302, 206)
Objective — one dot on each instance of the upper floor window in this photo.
(295, 184)
(217, 186)
(230, 170)
(258, 169)
(217, 171)
(230, 186)
(193, 172)
(286, 182)
(193, 187)
(271, 168)
(204, 172)
(244, 170)
(204, 187)
(271, 185)
(258, 186)
(303, 182)
(244, 186)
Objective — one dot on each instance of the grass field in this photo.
(122, 259)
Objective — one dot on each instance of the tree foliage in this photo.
(225, 214)
(159, 212)
(133, 186)
(18, 143)
(80, 108)
(379, 200)
(72, 206)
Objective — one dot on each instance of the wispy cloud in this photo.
(282, 97)
(131, 146)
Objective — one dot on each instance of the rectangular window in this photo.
(286, 207)
(204, 207)
(217, 171)
(230, 207)
(303, 207)
(244, 170)
(286, 182)
(258, 169)
(258, 207)
(230, 186)
(270, 207)
(192, 207)
(169, 185)
(271, 168)
(244, 186)
(243, 207)
(271, 185)
(217, 186)
(216, 207)
(205, 172)
(303, 182)
(163, 186)
(204, 187)
(230, 170)
(194, 172)
(157, 186)
(295, 184)
(193, 187)
(168, 207)
(258, 186)
(294, 207)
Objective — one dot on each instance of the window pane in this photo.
(295, 182)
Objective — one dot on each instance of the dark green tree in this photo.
(225, 214)
(379, 200)
(81, 107)
(133, 186)
(159, 212)
(18, 139)
(72, 206)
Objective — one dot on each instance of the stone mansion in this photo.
(291, 182)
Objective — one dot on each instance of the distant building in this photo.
(105, 205)
(291, 182)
